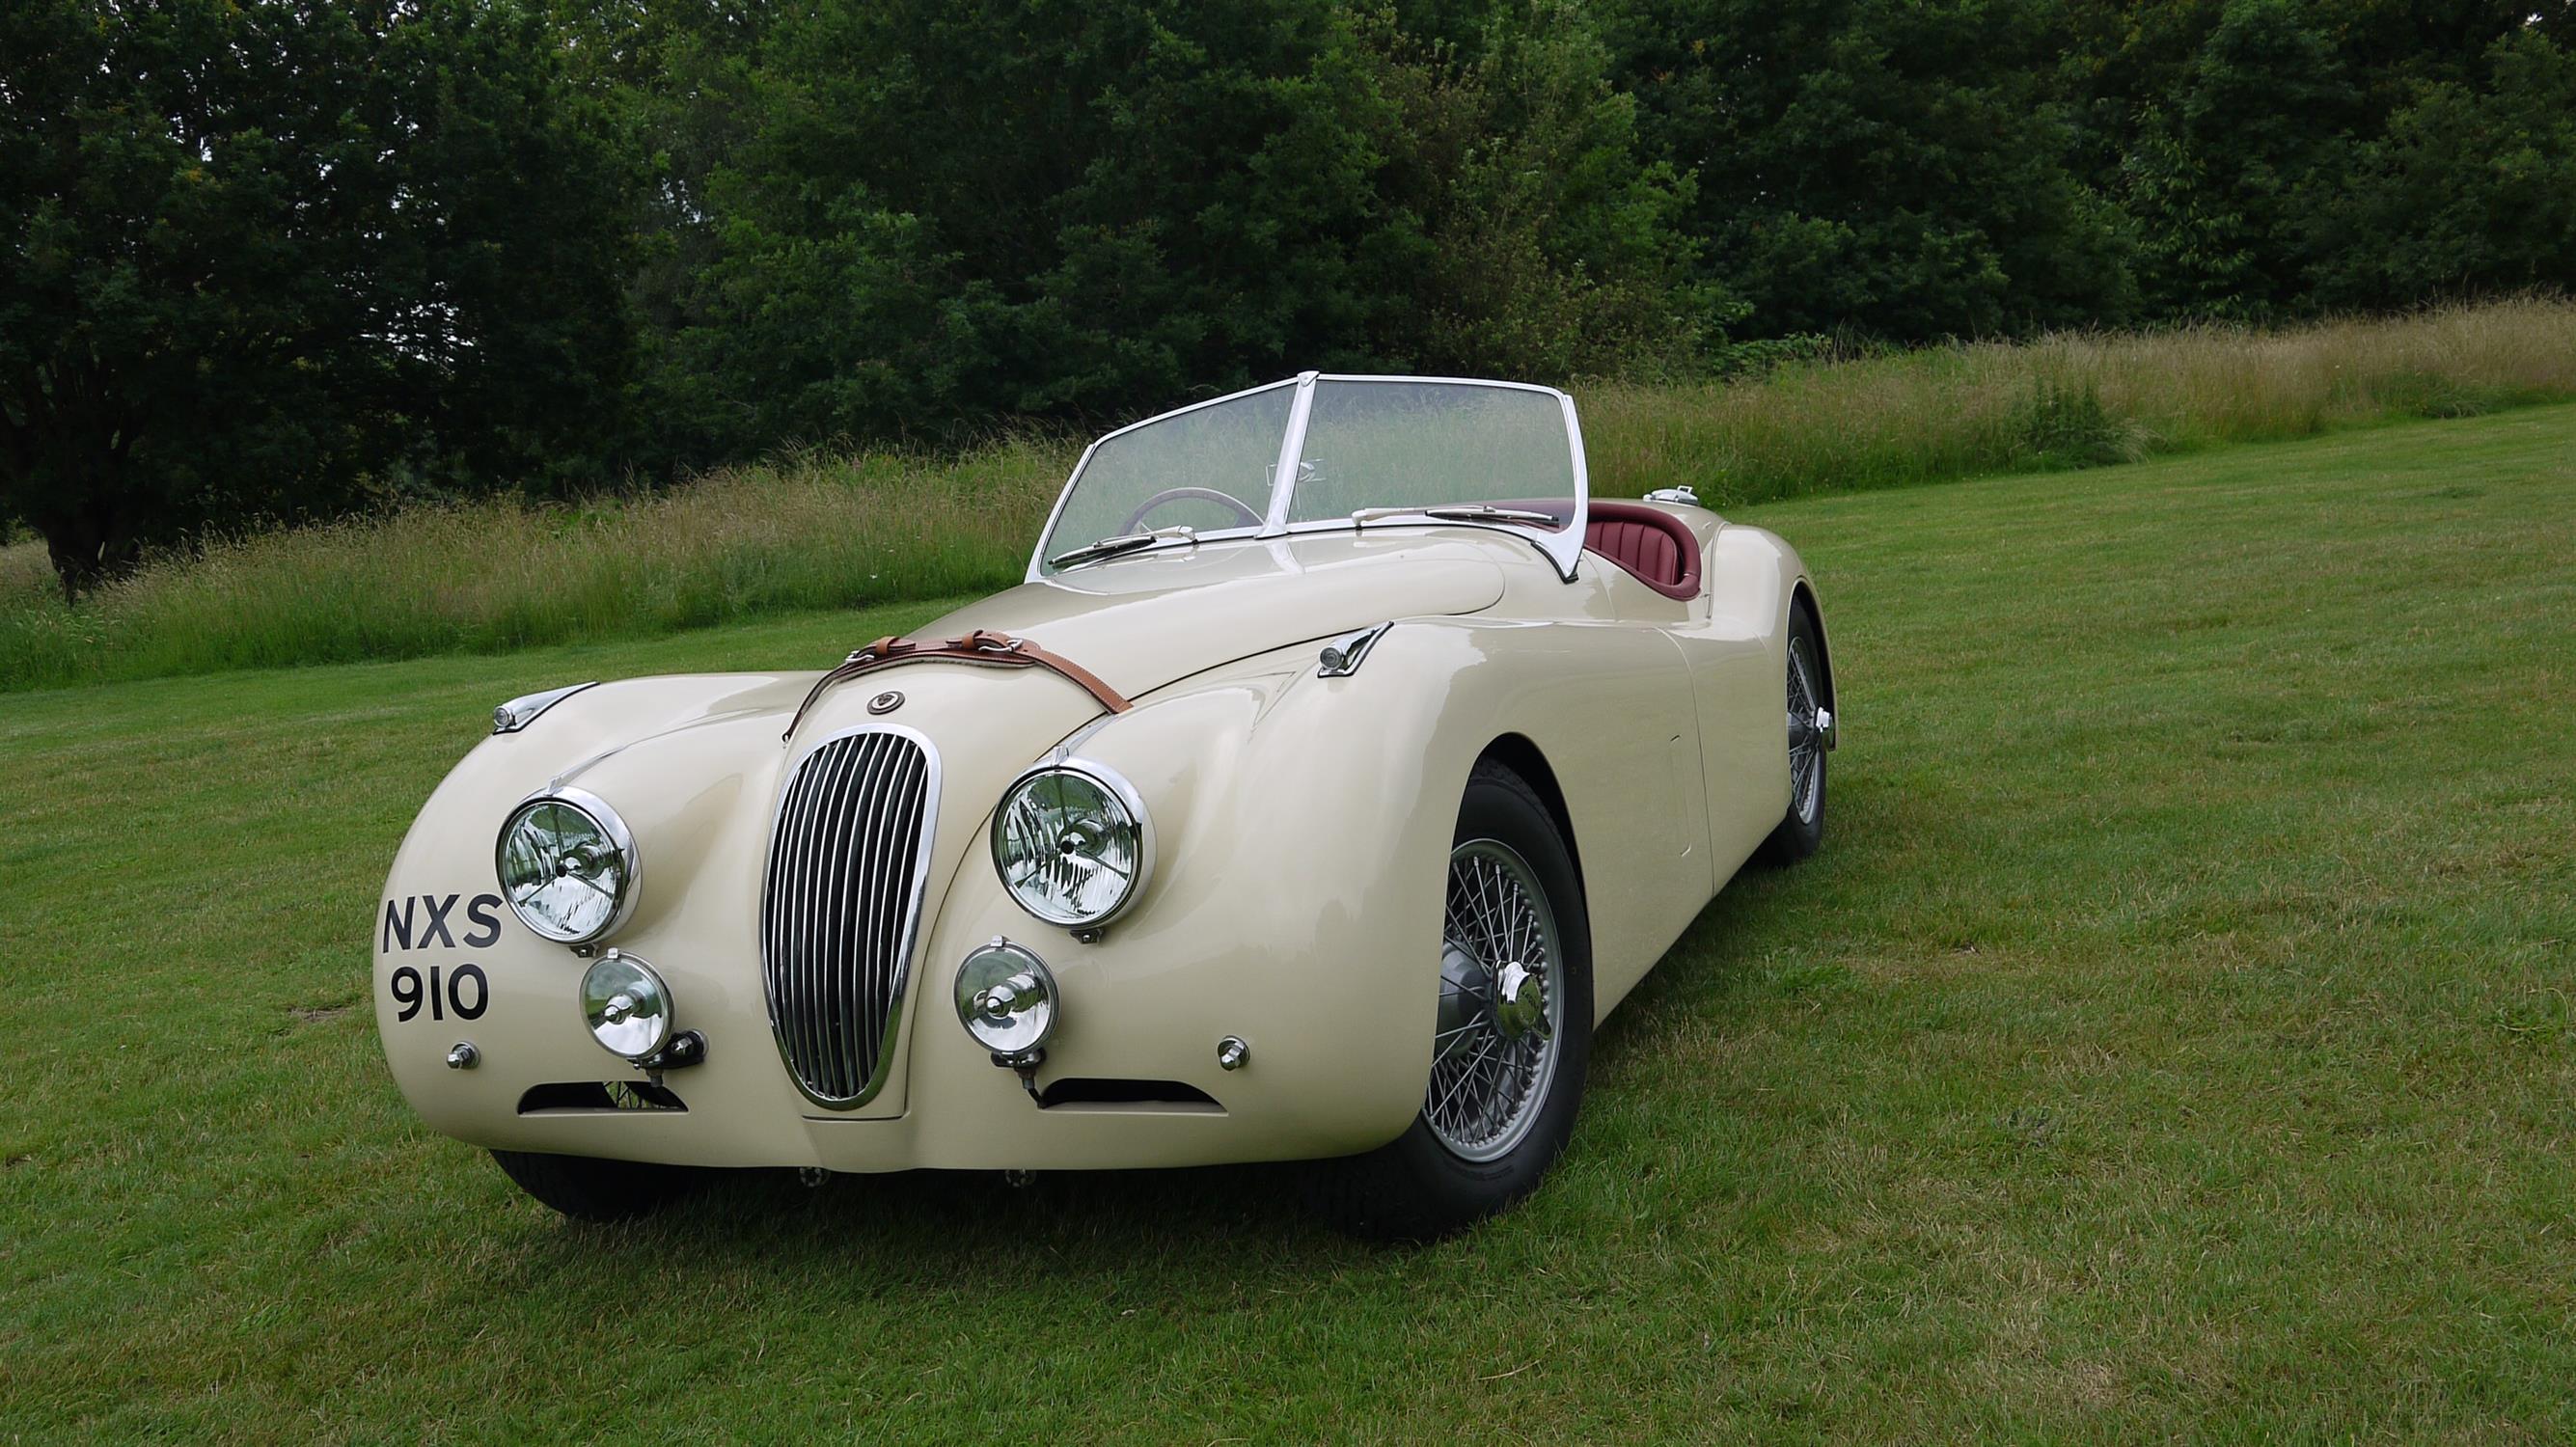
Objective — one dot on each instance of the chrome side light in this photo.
(1006, 999)
(522, 711)
(1342, 657)
(568, 867)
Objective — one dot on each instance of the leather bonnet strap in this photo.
(993, 650)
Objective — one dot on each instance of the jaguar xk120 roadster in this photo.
(1339, 765)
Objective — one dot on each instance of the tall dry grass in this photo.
(2076, 399)
(829, 531)
(812, 532)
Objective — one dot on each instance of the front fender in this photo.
(1303, 827)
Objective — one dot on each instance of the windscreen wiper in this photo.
(1111, 547)
(1473, 512)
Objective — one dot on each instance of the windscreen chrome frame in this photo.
(1563, 547)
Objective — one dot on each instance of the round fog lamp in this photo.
(1006, 998)
(627, 1005)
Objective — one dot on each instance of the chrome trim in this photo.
(820, 950)
(527, 708)
(1682, 495)
(1118, 787)
(609, 824)
(1292, 455)
(1343, 656)
(1232, 1053)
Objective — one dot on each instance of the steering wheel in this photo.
(1190, 494)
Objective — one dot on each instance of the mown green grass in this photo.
(2174, 1039)
(836, 530)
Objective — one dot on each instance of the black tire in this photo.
(1415, 1188)
(587, 1188)
(1800, 831)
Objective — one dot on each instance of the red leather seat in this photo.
(1659, 548)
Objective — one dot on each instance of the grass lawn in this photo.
(2174, 1038)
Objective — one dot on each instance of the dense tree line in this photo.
(278, 260)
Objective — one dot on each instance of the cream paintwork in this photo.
(1302, 824)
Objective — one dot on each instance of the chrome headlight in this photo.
(568, 866)
(1072, 843)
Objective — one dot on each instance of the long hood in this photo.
(1144, 622)
(701, 748)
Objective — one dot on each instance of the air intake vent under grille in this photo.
(840, 905)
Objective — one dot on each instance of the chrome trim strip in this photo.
(1292, 451)
(833, 976)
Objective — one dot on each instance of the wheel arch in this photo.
(1803, 597)
(1519, 754)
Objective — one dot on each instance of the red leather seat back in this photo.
(1659, 548)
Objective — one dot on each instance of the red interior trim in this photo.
(1658, 548)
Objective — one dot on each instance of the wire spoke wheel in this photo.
(1806, 734)
(1502, 1004)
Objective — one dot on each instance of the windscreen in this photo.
(1432, 444)
(1207, 468)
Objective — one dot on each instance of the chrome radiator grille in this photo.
(841, 903)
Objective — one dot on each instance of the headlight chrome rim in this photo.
(611, 828)
(1120, 792)
(618, 991)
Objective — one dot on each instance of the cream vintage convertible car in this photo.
(1339, 765)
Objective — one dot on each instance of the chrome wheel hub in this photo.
(1520, 1001)
(1502, 1004)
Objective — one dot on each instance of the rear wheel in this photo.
(1802, 829)
(1511, 1038)
(590, 1189)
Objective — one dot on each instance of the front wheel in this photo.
(1802, 829)
(1511, 1039)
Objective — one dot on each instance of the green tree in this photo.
(913, 216)
(1536, 242)
(1894, 168)
(2471, 189)
(2264, 150)
(263, 259)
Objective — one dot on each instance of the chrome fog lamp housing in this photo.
(1072, 843)
(627, 1006)
(568, 867)
(1006, 999)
